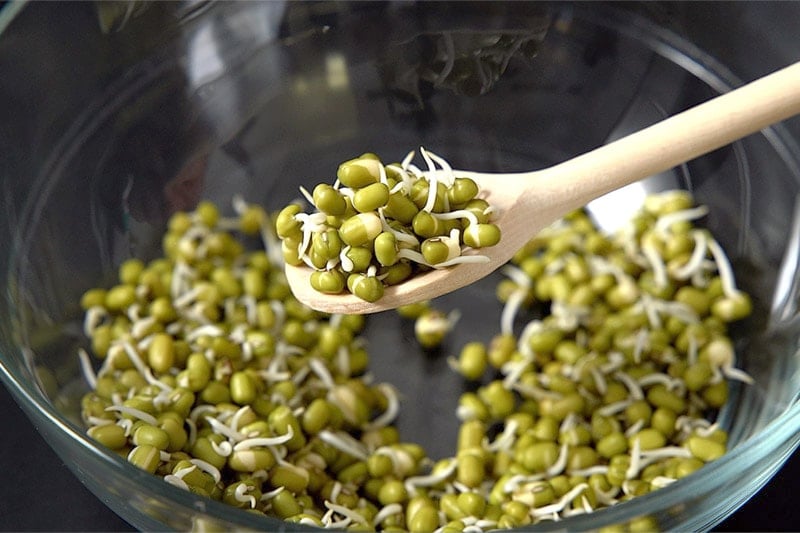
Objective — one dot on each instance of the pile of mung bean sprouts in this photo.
(378, 225)
(214, 377)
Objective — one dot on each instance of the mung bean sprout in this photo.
(400, 219)
(215, 378)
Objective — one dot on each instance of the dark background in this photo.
(752, 38)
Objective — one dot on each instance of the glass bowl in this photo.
(151, 107)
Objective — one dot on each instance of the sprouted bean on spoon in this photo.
(378, 225)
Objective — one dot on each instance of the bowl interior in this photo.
(257, 100)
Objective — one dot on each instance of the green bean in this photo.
(241, 494)
(663, 420)
(282, 421)
(448, 504)
(290, 477)
(560, 408)
(162, 310)
(462, 191)
(361, 258)
(286, 225)
(385, 248)
(431, 328)
(575, 436)
(146, 457)
(290, 251)
(473, 360)
(243, 388)
(131, 379)
(436, 250)
(424, 520)
(471, 407)
(328, 281)
(359, 172)
(380, 465)
(95, 297)
(454, 526)
(215, 392)
(399, 207)
(636, 487)
(119, 297)
(329, 200)
(545, 341)
(250, 460)
(109, 435)
(471, 503)
(618, 466)
(325, 246)
(500, 349)
(419, 195)
(285, 505)
(481, 235)
(354, 474)
(545, 428)
(471, 468)
(540, 456)
(695, 298)
(181, 401)
(153, 436)
(705, 449)
(207, 213)
(479, 209)
(732, 308)
(173, 427)
(197, 373)
(498, 399)
(330, 339)
(649, 439)
(396, 273)
(130, 270)
(360, 229)
(427, 226)
(392, 491)
(622, 295)
(684, 467)
(295, 334)
(638, 411)
(660, 396)
(161, 352)
(371, 197)
(368, 288)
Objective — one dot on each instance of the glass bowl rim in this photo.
(782, 429)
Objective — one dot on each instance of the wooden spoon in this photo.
(529, 201)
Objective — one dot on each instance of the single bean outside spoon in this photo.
(527, 202)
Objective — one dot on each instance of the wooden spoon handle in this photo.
(677, 139)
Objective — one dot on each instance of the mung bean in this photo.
(236, 388)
